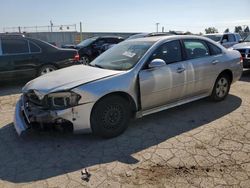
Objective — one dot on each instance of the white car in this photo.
(225, 39)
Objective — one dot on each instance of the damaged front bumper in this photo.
(19, 119)
(76, 119)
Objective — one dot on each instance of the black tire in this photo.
(221, 88)
(85, 60)
(43, 69)
(110, 117)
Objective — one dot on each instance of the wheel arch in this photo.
(45, 64)
(227, 72)
(125, 96)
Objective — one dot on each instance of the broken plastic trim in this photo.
(62, 100)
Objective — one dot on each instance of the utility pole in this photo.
(51, 26)
(157, 26)
(162, 29)
(81, 31)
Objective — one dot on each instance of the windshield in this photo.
(247, 39)
(122, 56)
(215, 38)
(86, 42)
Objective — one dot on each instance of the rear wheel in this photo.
(85, 60)
(110, 117)
(221, 88)
(46, 69)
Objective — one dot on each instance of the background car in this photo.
(225, 39)
(244, 49)
(91, 48)
(133, 79)
(22, 57)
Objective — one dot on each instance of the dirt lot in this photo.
(201, 144)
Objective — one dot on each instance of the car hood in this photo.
(242, 45)
(67, 78)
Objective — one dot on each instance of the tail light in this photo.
(241, 59)
(77, 57)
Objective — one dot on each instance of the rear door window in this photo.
(111, 41)
(14, 46)
(34, 48)
(100, 42)
(214, 50)
(195, 49)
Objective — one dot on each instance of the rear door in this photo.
(202, 61)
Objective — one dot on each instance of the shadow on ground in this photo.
(11, 87)
(39, 156)
(245, 75)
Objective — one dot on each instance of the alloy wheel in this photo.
(47, 70)
(85, 60)
(222, 87)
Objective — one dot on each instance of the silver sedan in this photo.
(133, 79)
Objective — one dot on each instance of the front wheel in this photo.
(110, 117)
(221, 88)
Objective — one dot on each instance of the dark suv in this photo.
(90, 48)
(23, 57)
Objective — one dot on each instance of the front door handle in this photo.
(214, 62)
(180, 70)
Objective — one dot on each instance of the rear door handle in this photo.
(214, 62)
(180, 70)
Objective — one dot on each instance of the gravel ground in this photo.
(201, 144)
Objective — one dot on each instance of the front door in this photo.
(165, 84)
(17, 55)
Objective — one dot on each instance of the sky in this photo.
(126, 15)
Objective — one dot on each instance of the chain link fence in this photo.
(34, 29)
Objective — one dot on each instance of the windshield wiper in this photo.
(99, 66)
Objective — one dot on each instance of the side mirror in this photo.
(156, 63)
(240, 41)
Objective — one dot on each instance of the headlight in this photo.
(62, 100)
(231, 48)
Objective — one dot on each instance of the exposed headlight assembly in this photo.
(62, 100)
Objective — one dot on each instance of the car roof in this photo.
(170, 37)
(7, 35)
